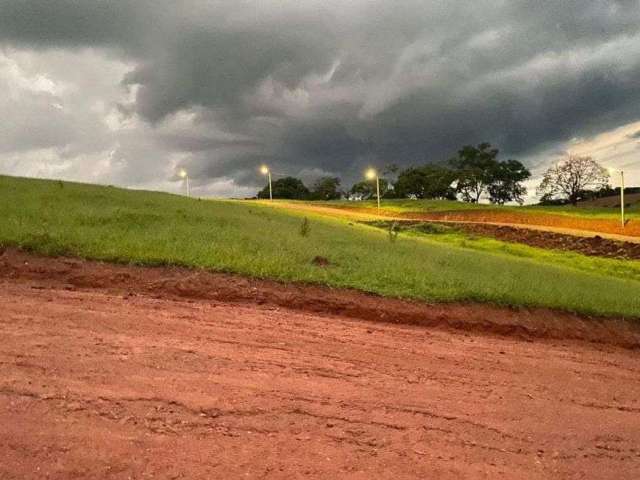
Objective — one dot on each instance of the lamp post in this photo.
(183, 174)
(265, 171)
(371, 174)
(611, 170)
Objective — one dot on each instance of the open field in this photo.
(482, 236)
(142, 378)
(591, 209)
(159, 229)
(579, 219)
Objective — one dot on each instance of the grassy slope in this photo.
(598, 265)
(428, 206)
(156, 228)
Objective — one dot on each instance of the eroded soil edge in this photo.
(175, 282)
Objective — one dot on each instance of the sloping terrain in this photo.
(152, 228)
(580, 221)
(611, 201)
(596, 245)
(182, 283)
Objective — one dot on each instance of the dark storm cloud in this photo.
(332, 86)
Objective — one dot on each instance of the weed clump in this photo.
(305, 227)
(393, 232)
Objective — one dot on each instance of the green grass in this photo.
(434, 206)
(157, 229)
(450, 235)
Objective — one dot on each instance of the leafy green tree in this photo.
(326, 188)
(288, 187)
(505, 183)
(428, 181)
(475, 167)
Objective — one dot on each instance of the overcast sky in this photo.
(127, 92)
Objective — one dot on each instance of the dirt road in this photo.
(554, 223)
(101, 384)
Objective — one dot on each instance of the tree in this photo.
(571, 178)
(326, 188)
(287, 187)
(428, 181)
(367, 189)
(390, 169)
(505, 183)
(474, 166)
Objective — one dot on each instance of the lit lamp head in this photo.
(264, 169)
(371, 174)
(182, 173)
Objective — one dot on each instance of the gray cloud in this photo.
(313, 86)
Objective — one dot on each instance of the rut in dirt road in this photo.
(103, 385)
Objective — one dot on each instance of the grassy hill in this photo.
(591, 209)
(591, 220)
(154, 228)
(631, 200)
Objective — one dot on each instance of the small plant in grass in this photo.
(305, 227)
(393, 232)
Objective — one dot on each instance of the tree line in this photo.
(475, 172)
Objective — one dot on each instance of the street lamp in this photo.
(612, 170)
(371, 174)
(265, 171)
(183, 174)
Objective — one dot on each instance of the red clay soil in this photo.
(595, 225)
(101, 379)
(593, 246)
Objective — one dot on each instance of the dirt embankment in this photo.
(593, 246)
(100, 380)
(593, 225)
(174, 282)
(552, 223)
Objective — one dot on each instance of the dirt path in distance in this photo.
(595, 246)
(560, 224)
(143, 377)
(563, 224)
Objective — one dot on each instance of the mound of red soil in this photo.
(611, 226)
(593, 246)
(173, 282)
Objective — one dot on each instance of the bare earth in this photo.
(113, 383)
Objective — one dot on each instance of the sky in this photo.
(129, 92)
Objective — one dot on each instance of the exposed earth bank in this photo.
(199, 284)
(596, 245)
(121, 372)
